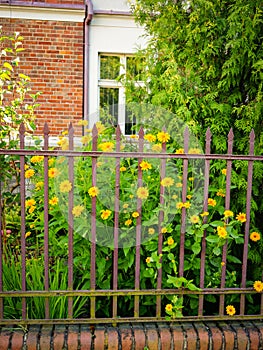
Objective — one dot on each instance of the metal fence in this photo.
(149, 296)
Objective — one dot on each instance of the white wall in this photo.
(111, 5)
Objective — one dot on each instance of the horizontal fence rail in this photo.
(122, 230)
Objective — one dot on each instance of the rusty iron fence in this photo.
(137, 293)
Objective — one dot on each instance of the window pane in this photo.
(109, 101)
(134, 67)
(109, 67)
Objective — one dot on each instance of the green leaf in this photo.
(196, 248)
(8, 66)
(212, 239)
(217, 251)
(233, 259)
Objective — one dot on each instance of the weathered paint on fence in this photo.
(115, 292)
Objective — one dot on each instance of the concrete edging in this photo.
(246, 335)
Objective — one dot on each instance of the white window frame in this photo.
(110, 35)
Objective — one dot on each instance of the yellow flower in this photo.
(148, 260)
(220, 193)
(189, 196)
(179, 185)
(31, 209)
(211, 202)
(51, 161)
(135, 214)
(179, 205)
(222, 263)
(30, 202)
(163, 136)
(39, 185)
(194, 151)
(187, 205)
(254, 236)
(230, 310)
(142, 193)
(134, 136)
(27, 234)
(241, 217)
(93, 191)
(223, 171)
(228, 213)
(106, 146)
(65, 132)
(191, 179)
(122, 168)
(174, 196)
(105, 214)
(100, 127)
(85, 139)
(205, 213)
(29, 173)
(125, 205)
(77, 210)
(53, 201)
(170, 241)
(179, 151)
(258, 286)
(83, 122)
(131, 196)
(221, 231)
(145, 165)
(167, 182)
(65, 186)
(128, 222)
(157, 147)
(53, 172)
(164, 230)
(26, 166)
(150, 137)
(151, 231)
(36, 159)
(98, 164)
(194, 219)
(63, 143)
(168, 307)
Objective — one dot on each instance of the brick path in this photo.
(158, 336)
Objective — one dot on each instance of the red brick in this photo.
(17, 340)
(45, 337)
(229, 337)
(113, 339)
(203, 335)
(99, 338)
(126, 338)
(217, 337)
(32, 335)
(152, 337)
(73, 335)
(178, 337)
(253, 336)
(85, 338)
(191, 336)
(241, 335)
(4, 339)
(139, 337)
(165, 337)
(59, 337)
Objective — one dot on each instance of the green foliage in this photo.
(17, 105)
(206, 65)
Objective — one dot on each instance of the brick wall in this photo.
(53, 58)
